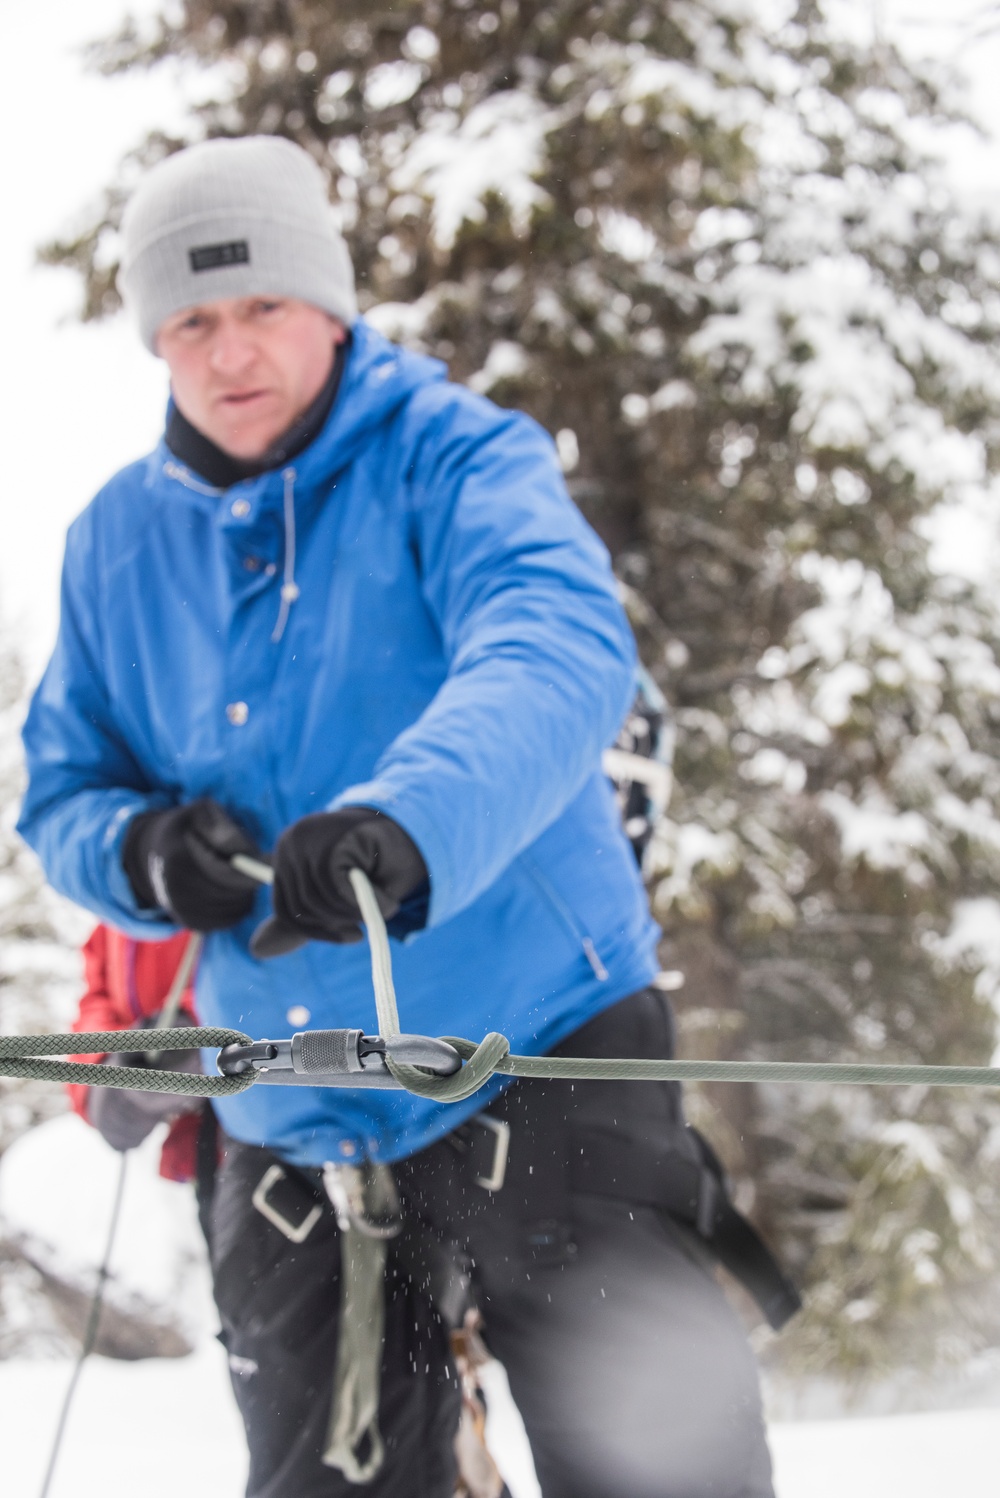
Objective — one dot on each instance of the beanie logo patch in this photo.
(212, 256)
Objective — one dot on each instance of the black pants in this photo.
(632, 1374)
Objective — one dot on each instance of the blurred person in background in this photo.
(347, 612)
(126, 984)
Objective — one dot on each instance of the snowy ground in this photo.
(162, 1427)
(176, 1430)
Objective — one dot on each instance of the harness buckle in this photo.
(294, 1232)
(501, 1149)
(709, 1193)
(364, 1198)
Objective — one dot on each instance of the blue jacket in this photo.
(456, 656)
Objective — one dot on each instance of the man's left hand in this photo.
(313, 898)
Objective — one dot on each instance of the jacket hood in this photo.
(378, 379)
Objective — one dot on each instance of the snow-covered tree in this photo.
(39, 980)
(39, 959)
(704, 242)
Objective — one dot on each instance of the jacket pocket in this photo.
(566, 916)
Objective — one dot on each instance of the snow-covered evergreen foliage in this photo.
(703, 242)
(39, 960)
(39, 979)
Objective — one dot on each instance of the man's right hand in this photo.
(179, 861)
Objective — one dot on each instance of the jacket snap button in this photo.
(252, 564)
(237, 713)
(240, 508)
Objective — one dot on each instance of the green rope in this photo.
(22, 1055)
(481, 1061)
(586, 1069)
(493, 1053)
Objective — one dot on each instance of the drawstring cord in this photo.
(289, 587)
(182, 476)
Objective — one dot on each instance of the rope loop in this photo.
(27, 1056)
(481, 1061)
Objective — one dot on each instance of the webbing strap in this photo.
(695, 1193)
(353, 1439)
(366, 1202)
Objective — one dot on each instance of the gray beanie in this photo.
(232, 218)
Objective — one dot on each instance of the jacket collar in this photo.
(377, 378)
(219, 469)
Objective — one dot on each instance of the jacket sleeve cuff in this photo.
(134, 919)
(382, 796)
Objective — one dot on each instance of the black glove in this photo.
(178, 860)
(313, 898)
(123, 1116)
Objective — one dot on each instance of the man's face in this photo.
(242, 369)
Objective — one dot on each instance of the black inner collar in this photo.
(220, 469)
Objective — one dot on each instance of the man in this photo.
(346, 611)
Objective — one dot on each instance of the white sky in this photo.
(75, 403)
(78, 402)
